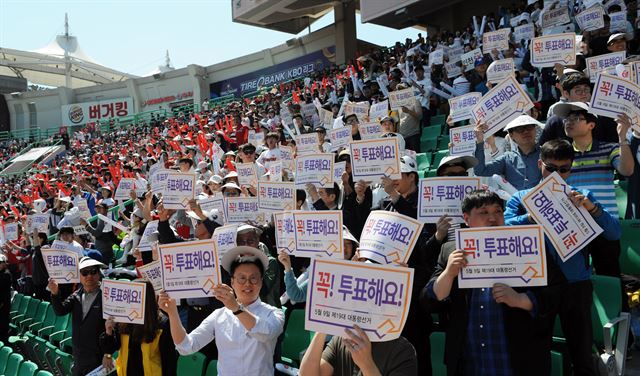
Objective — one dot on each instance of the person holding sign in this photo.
(388, 125)
(571, 301)
(245, 329)
(143, 349)
(85, 307)
(490, 330)
(272, 153)
(410, 118)
(517, 166)
(104, 240)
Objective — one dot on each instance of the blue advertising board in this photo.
(274, 75)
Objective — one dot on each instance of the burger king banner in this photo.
(81, 113)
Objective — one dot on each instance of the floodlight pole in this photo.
(67, 60)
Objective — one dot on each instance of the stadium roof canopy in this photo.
(61, 63)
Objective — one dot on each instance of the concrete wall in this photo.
(192, 79)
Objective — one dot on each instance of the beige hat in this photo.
(521, 121)
(243, 253)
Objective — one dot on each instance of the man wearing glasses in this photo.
(85, 307)
(568, 294)
(519, 166)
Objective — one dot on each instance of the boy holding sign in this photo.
(572, 300)
(490, 330)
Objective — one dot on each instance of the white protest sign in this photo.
(152, 272)
(275, 170)
(338, 169)
(460, 107)
(373, 159)
(318, 233)
(613, 96)
(436, 57)
(468, 59)
(360, 109)
(39, 222)
(255, 138)
(589, 3)
(399, 98)
(369, 131)
(101, 371)
(11, 231)
(344, 293)
(247, 174)
(308, 143)
(513, 255)
(569, 228)
(190, 269)
(316, 169)
(498, 70)
(225, 238)
(179, 190)
(285, 231)
(276, 196)
(113, 223)
(443, 196)
(326, 117)
(454, 53)
(463, 140)
(503, 103)
(388, 237)
(125, 186)
(604, 63)
(555, 17)
(308, 109)
(340, 137)
(286, 154)
(379, 110)
(453, 69)
(524, 32)
(498, 40)
(124, 301)
(144, 245)
(591, 19)
(213, 203)
(548, 50)
(61, 264)
(80, 230)
(159, 179)
(83, 208)
(242, 209)
(618, 22)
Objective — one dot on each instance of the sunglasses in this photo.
(552, 169)
(86, 272)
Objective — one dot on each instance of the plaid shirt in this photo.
(486, 351)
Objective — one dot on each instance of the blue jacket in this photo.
(575, 268)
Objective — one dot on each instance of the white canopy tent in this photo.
(61, 63)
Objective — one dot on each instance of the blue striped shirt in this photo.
(594, 170)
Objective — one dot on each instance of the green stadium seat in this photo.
(48, 320)
(431, 173)
(437, 353)
(28, 369)
(28, 312)
(44, 373)
(430, 132)
(438, 120)
(21, 306)
(443, 143)
(191, 365)
(296, 338)
(621, 197)
(39, 315)
(212, 368)
(15, 303)
(608, 322)
(423, 160)
(5, 352)
(630, 247)
(557, 365)
(13, 364)
(63, 362)
(437, 157)
(428, 145)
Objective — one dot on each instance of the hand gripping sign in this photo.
(316, 169)
(242, 209)
(548, 50)
(344, 293)
(513, 255)
(503, 103)
(461, 106)
(144, 244)
(247, 174)
(568, 228)
(61, 264)
(340, 137)
(124, 301)
(388, 237)
(373, 159)
(399, 98)
(276, 196)
(318, 233)
(443, 196)
(500, 69)
(179, 190)
(39, 222)
(125, 186)
(190, 269)
(498, 40)
(604, 64)
(463, 140)
(613, 96)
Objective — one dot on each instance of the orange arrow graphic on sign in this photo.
(388, 327)
(70, 275)
(331, 249)
(207, 282)
(134, 314)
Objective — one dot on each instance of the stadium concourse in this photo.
(328, 225)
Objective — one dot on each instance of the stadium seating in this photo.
(192, 365)
(630, 247)
(296, 338)
(212, 368)
(5, 352)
